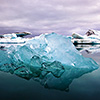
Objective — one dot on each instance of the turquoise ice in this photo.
(50, 59)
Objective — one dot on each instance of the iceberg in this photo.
(91, 37)
(14, 35)
(50, 59)
(13, 38)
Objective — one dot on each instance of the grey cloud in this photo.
(63, 17)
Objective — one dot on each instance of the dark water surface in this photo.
(86, 87)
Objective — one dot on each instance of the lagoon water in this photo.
(85, 87)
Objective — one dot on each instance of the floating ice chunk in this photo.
(10, 36)
(91, 37)
(51, 59)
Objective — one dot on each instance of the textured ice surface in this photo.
(50, 59)
(93, 34)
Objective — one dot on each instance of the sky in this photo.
(46, 16)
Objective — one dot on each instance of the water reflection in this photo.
(89, 49)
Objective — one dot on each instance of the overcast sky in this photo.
(40, 16)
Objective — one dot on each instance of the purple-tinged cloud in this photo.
(40, 16)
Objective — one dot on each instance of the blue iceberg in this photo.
(51, 59)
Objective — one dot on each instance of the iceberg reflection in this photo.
(89, 49)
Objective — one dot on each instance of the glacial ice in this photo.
(50, 59)
(91, 37)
